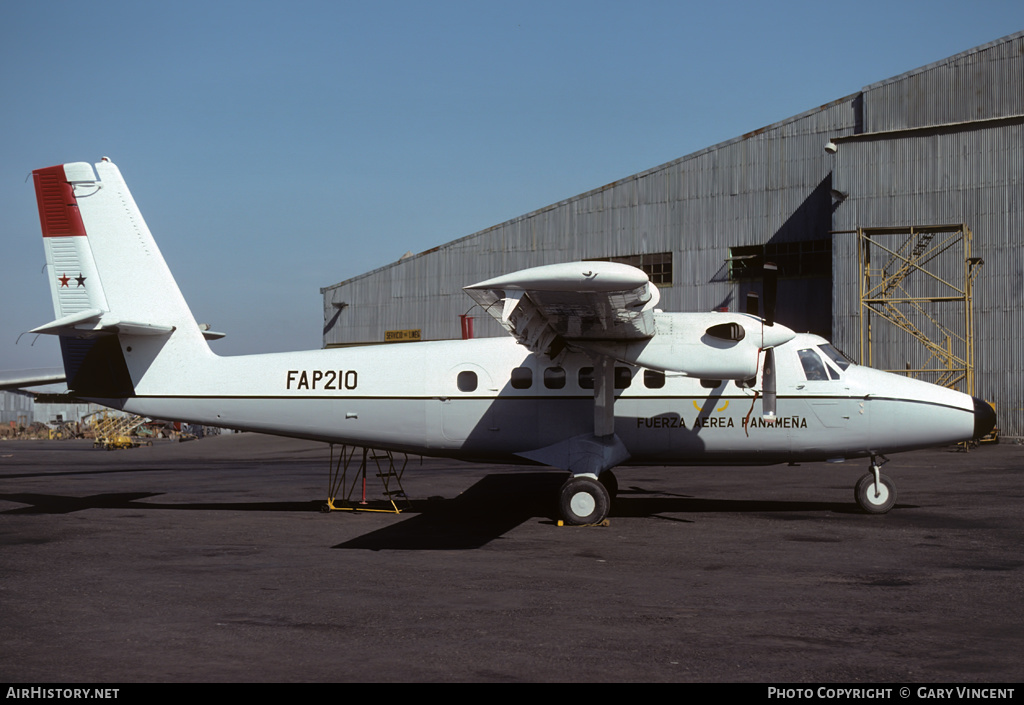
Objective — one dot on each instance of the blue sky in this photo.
(275, 148)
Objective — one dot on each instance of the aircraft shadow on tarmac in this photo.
(62, 504)
(499, 503)
(490, 508)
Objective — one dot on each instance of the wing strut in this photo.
(604, 397)
(590, 453)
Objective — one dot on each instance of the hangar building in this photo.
(895, 216)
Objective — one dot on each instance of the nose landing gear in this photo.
(875, 493)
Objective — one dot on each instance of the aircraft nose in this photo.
(984, 417)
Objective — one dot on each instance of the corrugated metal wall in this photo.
(16, 407)
(21, 409)
(939, 145)
(984, 82)
(946, 146)
(48, 413)
(750, 190)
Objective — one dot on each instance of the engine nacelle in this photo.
(706, 345)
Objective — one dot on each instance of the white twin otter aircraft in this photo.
(593, 375)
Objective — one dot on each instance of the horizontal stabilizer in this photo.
(19, 379)
(94, 322)
(210, 334)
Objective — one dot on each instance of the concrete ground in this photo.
(210, 561)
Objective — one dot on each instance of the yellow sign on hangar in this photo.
(401, 336)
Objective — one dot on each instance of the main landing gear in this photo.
(875, 493)
(585, 500)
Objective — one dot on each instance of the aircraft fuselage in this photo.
(489, 399)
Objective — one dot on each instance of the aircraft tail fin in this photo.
(118, 312)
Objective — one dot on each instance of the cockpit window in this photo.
(814, 368)
(835, 356)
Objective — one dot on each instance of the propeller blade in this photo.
(753, 304)
(771, 287)
(768, 388)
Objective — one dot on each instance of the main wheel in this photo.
(608, 479)
(583, 500)
(875, 501)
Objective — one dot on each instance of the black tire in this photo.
(872, 502)
(583, 500)
(610, 482)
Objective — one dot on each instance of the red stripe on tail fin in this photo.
(58, 209)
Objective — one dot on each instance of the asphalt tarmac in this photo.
(210, 561)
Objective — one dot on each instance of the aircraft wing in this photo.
(17, 379)
(585, 301)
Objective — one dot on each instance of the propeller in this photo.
(770, 286)
(768, 384)
(771, 290)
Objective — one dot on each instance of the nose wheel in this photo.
(875, 493)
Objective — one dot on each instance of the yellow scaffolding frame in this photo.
(896, 261)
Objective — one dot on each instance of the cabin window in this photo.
(467, 381)
(623, 377)
(654, 379)
(522, 378)
(814, 368)
(711, 383)
(554, 377)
